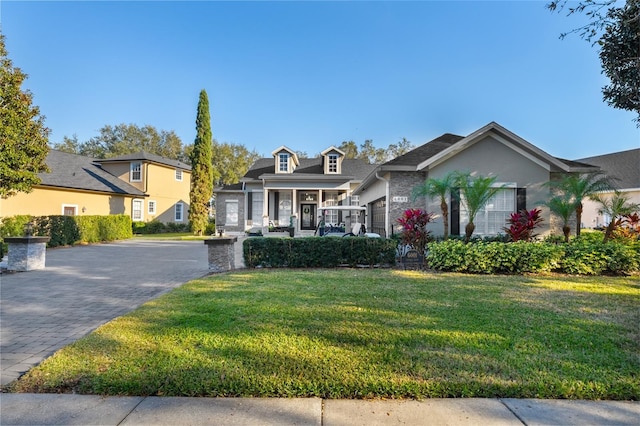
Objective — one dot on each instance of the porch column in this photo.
(265, 207)
(294, 202)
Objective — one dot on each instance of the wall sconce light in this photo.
(84, 209)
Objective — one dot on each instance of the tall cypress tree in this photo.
(201, 169)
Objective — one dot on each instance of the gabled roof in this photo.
(308, 169)
(146, 157)
(428, 150)
(78, 172)
(448, 145)
(293, 154)
(509, 138)
(332, 148)
(623, 167)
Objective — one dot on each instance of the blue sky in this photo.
(313, 74)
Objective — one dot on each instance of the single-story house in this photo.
(142, 185)
(519, 166)
(624, 170)
(287, 191)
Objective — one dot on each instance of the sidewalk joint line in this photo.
(513, 412)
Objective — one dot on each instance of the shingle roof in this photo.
(145, 156)
(79, 172)
(428, 150)
(358, 169)
(623, 167)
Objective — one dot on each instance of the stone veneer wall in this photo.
(401, 185)
(221, 253)
(221, 210)
(26, 253)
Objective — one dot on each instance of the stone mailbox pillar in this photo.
(221, 253)
(26, 253)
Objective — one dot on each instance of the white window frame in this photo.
(179, 175)
(152, 207)
(332, 167)
(229, 220)
(331, 199)
(140, 202)
(482, 228)
(257, 206)
(285, 203)
(178, 212)
(74, 206)
(283, 162)
(135, 168)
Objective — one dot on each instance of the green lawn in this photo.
(365, 333)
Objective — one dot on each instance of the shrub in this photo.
(591, 256)
(493, 257)
(211, 227)
(522, 225)
(318, 252)
(586, 255)
(414, 228)
(177, 227)
(69, 230)
(11, 227)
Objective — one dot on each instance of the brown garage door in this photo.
(378, 209)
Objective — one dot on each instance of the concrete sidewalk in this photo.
(49, 409)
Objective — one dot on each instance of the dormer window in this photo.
(283, 162)
(286, 160)
(333, 163)
(332, 159)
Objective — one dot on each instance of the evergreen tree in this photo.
(201, 169)
(23, 138)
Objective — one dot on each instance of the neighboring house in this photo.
(286, 190)
(624, 169)
(522, 168)
(141, 185)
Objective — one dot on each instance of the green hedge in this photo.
(581, 256)
(318, 252)
(69, 230)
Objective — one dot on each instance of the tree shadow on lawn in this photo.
(259, 334)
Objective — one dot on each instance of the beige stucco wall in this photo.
(46, 201)
(490, 157)
(163, 188)
(590, 216)
(121, 171)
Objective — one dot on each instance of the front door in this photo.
(308, 220)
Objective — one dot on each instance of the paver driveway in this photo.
(82, 288)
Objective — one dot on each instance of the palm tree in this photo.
(563, 206)
(438, 188)
(579, 187)
(475, 192)
(615, 206)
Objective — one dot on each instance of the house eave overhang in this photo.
(183, 167)
(304, 178)
(503, 136)
(89, 191)
(371, 177)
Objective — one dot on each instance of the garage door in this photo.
(378, 209)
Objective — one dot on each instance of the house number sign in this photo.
(398, 199)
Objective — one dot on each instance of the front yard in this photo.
(365, 333)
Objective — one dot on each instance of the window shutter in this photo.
(521, 199)
(455, 211)
(249, 205)
(276, 201)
